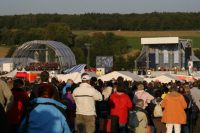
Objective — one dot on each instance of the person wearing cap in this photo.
(85, 96)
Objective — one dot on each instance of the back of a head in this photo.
(174, 88)
(45, 90)
(93, 81)
(44, 76)
(140, 87)
(120, 79)
(186, 89)
(120, 87)
(54, 80)
(70, 81)
(139, 103)
(18, 83)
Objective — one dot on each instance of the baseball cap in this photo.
(85, 77)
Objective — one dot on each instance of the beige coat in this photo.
(85, 96)
(142, 128)
(6, 97)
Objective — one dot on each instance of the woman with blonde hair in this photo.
(142, 94)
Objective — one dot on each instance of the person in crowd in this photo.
(107, 91)
(94, 83)
(45, 115)
(195, 92)
(71, 107)
(102, 107)
(165, 91)
(159, 126)
(55, 83)
(181, 90)
(120, 104)
(4, 124)
(6, 97)
(187, 128)
(142, 117)
(44, 77)
(142, 94)
(20, 101)
(67, 86)
(174, 114)
(85, 96)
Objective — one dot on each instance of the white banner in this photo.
(157, 56)
(166, 56)
(176, 56)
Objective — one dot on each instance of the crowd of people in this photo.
(42, 66)
(94, 106)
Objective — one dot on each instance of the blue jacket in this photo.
(64, 90)
(46, 118)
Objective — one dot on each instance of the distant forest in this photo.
(98, 21)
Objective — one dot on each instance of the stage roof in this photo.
(160, 40)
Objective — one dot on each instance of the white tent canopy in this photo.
(125, 74)
(12, 73)
(163, 78)
(76, 77)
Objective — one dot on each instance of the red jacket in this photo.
(120, 105)
(17, 110)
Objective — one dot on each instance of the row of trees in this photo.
(53, 31)
(100, 21)
(106, 44)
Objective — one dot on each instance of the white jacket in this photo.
(195, 92)
(85, 96)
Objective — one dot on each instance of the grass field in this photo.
(133, 37)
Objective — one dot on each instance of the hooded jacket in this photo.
(174, 105)
(46, 118)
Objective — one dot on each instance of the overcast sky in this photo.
(12, 7)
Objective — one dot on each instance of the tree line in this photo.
(101, 44)
(101, 21)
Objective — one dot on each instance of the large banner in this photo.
(157, 56)
(176, 56)
(166, 56)
(104, 61)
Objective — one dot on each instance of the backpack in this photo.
(133, 121)
(194, 110)
(157, 112)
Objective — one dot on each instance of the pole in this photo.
(88, 54)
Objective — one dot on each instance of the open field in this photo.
(145, 33)
(133, 37)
